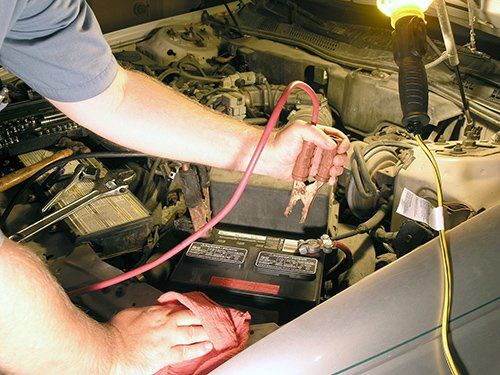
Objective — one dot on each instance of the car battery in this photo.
(251, 270)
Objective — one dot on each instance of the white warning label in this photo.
(416, 208)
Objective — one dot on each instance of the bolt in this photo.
(496, 138)
(441, 140)
(470, 143)
(458, 149)
(327, 243)
(309, 247)
(303, 250)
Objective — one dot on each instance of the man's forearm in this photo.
(145, 115)
(40, 330)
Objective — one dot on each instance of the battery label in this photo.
(256, 242)
(217, 253)
(285, 264)
(249, 286)
(244, 236)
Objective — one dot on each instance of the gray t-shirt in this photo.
(56, 47)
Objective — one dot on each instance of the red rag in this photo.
(227, 329)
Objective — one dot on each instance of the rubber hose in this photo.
(365, 174)
(369, 224)
(399, 144)
(357, 180)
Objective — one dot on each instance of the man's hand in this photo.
(282, 150)
(148, 339)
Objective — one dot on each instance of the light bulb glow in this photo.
(397, 9)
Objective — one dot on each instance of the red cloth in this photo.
(227, 329)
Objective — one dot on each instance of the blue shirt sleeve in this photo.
(57, 48)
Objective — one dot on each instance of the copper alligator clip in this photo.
(303, 191)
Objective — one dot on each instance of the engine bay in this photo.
(132, 209)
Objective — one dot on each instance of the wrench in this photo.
(101, 189)
(80, 173)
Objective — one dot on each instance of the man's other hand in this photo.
(283, 148)
(150, 338)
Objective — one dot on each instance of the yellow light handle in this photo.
(405, 11)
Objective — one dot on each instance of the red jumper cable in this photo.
(227, 208)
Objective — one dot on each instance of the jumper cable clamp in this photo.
(303, 190)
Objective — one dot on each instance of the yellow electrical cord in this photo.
(447, 271)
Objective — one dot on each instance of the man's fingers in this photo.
(321, 136)
(332, 131)
(183, 353)
(343, 144)
(340, 160)
(156, 315)
(315, 162)
(332, 180)
(317, 136)
(185, 318)
(336, 171)
(189, 335)
(328, 139)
